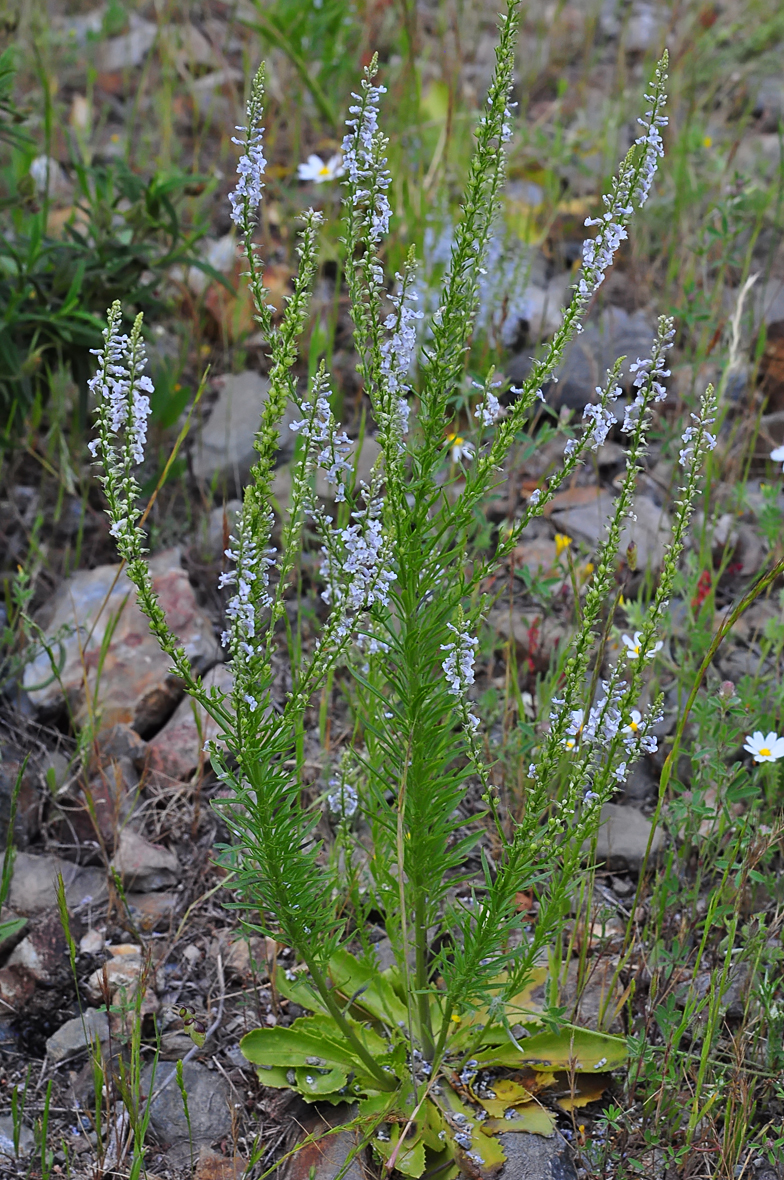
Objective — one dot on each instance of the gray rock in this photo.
(75, 1035)
(531, 1157)
(623, 838)
(224, 446)
(143, 866)
(215, 539)
(136, 687)
(26, 1138)
(154, 911)
(645, 28)
(650, 532)
(129, 50)
(120, 741)
(33, 885)
(209, 1107)
(615, 333)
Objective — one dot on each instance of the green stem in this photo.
(384, 1080)
(423, 997)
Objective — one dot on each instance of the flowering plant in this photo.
(424, 1044)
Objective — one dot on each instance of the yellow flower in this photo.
(707, 142)
(561, 542)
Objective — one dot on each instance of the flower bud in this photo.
(631, 556)
(726, 690)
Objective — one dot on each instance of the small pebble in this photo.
(92, 942)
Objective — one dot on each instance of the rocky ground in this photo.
(115, 794)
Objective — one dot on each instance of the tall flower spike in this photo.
(631, 187)
(246, 197)
(397, 350)
(459, 663)
(122, 393)
(364, 162)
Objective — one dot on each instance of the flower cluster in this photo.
(459, 663)
(650, 375)
(601, 418)
(489, 409)
(693, 434)
(123, 387)
(321, 433)
(651, 141)
(632, 186)
(251, 566)
(355, 566)
(122, 394)
(344, 799)
(364, 163)
(397, 350)
(638, 735)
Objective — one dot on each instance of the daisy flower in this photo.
(634, 725)
(634, 646)
(460, 449)
(318, 171)
(764, 747)
(777, 456)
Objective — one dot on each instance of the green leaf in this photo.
(570, 1049)
(410, 1159)
(376, 1104)
(532, 1118)
(367, 988)
(486, 1147)
(321, 1085)
(299, 990)
(276, 1076)
(11, 928)
(522, 1008)
(311, 1040)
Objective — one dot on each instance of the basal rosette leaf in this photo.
(478, 1153)
(312, 1041)
(572, 1049)
(367, 988)
(321, 1085)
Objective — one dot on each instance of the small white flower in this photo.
(634, 725)
(765, 748)
(634, 646)
(319, 171)
(459, 448)
(777, 455)
(574, 729)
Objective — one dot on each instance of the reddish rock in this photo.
(143, 866)
(44, 952)
(94, 814)
(16, 987)
(120, 741)
(211, 1166)
(153, 911)
(326, 1157)
(135, 687)
(176, 749)
(27, 821)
